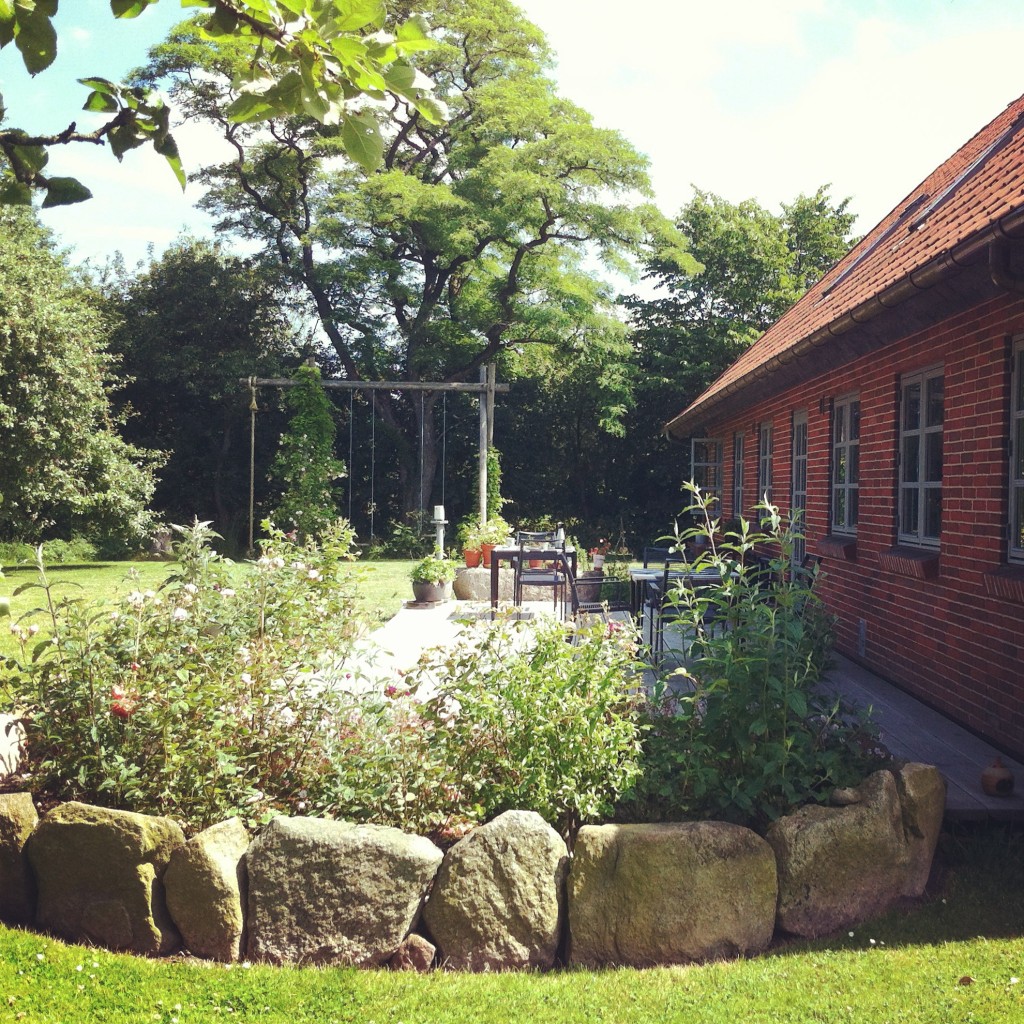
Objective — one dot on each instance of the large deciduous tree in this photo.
(469, 243)
(191, 325)
(327, 59)
(64, 468)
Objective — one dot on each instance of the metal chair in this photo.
(550, 574)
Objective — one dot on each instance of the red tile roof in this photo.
(972, 191)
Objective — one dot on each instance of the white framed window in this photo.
(737, 474)
(920, 458)
(706, 468)
(765, 450)
(1016, 519)
(846, 464)
(798, 483)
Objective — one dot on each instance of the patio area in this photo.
(908, 728)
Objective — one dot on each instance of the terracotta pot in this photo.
(485, 551)
(472, 557)
(536, 563)
(997, 779)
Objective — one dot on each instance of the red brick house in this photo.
(888, 403)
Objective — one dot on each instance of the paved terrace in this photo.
(908, 728)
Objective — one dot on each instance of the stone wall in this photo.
(508, 896)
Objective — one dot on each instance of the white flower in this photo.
(190, 588)
(33, 629)
(246, 678)
(136, 599)
(313, 574)
(227, 592)
(40, 956)
(179, 615)
(299, 565)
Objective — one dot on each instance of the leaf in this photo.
(435, 111)
(36, 40)
(362, 141)
(168, 149)
(412, 35)
(249, 107)
(129, 8)
(223, 23)
(6, 22)
(65, 192)
(15, 193)
(357, 14)
(97, 101)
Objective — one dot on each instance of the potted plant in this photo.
(597, 553)
(469, 537)
(492, 533)
(431, 579)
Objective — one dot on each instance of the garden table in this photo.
(511, 552)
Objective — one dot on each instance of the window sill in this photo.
(834, 546)
(919, 565)
(1006, 582)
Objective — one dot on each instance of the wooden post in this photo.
(484, 431)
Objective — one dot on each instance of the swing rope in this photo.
(373, 456)
(253, 409)
(421, 453)
(351, 471)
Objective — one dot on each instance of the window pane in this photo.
(839, 512)
(1017, 526)
(839, 427)
(854, 464)
(1019, 399)
(908, 510)
(840, 467)
(932, 511)
(854, 421)
(912, 406)
(911, 449)
(854, 508)
(935, 388)
(933, 456)
(1018, 469)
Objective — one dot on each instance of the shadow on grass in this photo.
(976, 890)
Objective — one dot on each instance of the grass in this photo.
(952, 958)
(382, 587)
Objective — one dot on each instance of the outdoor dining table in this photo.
(508, 553)
(641, 579)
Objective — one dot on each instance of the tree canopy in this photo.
(471, 242)
(64, 469)
(331, 60)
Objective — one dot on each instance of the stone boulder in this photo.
(330, 892)
(641, 895)
(498, 902)
(839, 866)
(475, 585)
(206, 891)
(414, 954)
(100, 877)
(18, 818)
(922, 792)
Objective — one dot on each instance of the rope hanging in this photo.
(373, 456)
(253, 409)
(444, 439)
(421, 450)
(351, 469)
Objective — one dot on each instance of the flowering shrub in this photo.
(745, 733)
(199, 700)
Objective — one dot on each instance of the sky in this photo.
(744, 98)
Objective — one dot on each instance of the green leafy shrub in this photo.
(433, 569)
(745, 733)
(412, 537)
(198, 700)
(70, 552)
(506, 719)
(16, 552)
(545, 725)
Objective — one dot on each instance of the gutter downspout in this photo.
(995, 238)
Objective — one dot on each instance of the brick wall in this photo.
(955, 640)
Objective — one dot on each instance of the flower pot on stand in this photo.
(472, 557)
(485, 553)
(598, 561)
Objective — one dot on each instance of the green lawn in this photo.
(952, 958)
(382, 587)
